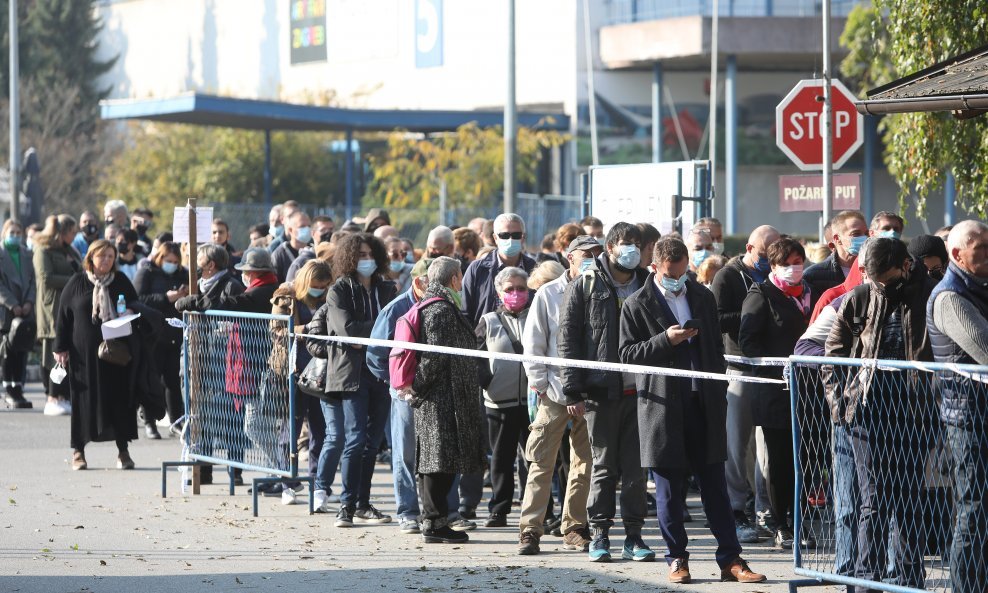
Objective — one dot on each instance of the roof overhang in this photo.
(250, 114)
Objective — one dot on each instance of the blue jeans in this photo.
(968, 551)
(403, 464)
(845, 504)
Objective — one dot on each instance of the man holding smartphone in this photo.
(672, 322)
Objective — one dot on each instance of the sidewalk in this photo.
(106, 530)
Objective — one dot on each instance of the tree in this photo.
(893, 38)
(470, 161)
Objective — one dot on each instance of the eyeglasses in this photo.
(506, 235)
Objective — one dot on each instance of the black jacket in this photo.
(152, 285)
(661, 398)
(730, 287)
(227, 286)
(282, 257)
(345, 314)
(771, 324)
(589, 329)
(823, 276)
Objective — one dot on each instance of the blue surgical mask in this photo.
(278, 231)
(602, 241)
(316, 292)
(366, 267)
(628, 256)
(169, 267)
(856, 243)
(699, 256)
(509, 247)
(890, 234)
(12, 243)
(585, 264)
(304, 234)
(673, 284)
(409, 259)
(763, 266)
(397, 266)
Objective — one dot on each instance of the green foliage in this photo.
(470, 160)
(165, 165)
(894, 38)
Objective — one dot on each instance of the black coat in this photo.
(661, 398)
(152, 285)
(771, 324)
(224, 288)
(730, 287)
(345, 314)
(823, 276)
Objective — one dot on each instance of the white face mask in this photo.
(791, 274)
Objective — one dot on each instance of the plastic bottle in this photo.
(121, 305)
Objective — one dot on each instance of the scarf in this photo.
(263, 280)
(205, 284)
(103, 307)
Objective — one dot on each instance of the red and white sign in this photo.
(804, 193)
(799, 125)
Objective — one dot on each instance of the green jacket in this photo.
(53, 266)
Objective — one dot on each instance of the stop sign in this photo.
(799, 124)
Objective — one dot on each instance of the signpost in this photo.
(804, 193)
(799, 125)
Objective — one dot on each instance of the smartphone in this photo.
(692, 324)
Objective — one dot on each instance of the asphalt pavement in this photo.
(109, 530)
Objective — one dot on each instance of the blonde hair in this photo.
(98, 247)
(314, 270)
(709, 268)
(544, 273)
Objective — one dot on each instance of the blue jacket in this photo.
(384, 329)
(479, 294)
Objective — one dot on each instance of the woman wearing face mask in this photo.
(399, 270)
(773, 318)
(357, 404)
(505, 388)
(885, 318)
(160, 282)
(17, 293)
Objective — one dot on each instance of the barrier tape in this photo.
(557, 362)
(757, 362)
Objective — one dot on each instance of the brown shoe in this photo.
(738, 572)
(124, 461)
(578, 539)
(528, 544)
(679, 571)
(79, 460)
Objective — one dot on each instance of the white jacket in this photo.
(539, 338)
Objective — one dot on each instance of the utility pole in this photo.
(510, 117)
(15, 116)
(828, 150)
(715, 18)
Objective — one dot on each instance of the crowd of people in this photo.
(567, 436)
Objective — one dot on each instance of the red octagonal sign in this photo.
(799, 125)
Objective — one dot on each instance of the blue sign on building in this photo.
(428, 33)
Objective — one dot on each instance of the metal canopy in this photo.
(959, 84)
(210, 110)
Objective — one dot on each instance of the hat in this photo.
(256, 259)
(422, 266)
(582, 243)
(372, 215)
(928, 245)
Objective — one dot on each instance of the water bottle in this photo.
(186, 477)
(121, 305)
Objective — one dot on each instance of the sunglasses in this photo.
(506, 235)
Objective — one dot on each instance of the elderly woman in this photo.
(774, 316)
(17, 292)
(505, 388)
(161, 281)
(103, 398)
(55, 261)
(448, 424)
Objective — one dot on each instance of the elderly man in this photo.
(700, 245)
(115, 212)
(716, 230)
(298, 235)
(479, 292)
(549, 427)
(957, 322)
(440, 242)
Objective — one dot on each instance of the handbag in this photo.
(115, 352)
(312, 379)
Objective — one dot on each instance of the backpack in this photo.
(402, 362)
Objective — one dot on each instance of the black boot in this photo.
(14, 397)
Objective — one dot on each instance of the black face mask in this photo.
(895, 289)
(108, 221)
(936, 275)
(142, 229)
(123, 248)
(90, 229)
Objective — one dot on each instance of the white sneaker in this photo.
(289, 496)
(53, 409)
(65, 405)
(320, 502)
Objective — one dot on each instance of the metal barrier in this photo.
(889, 493)
(240, 397)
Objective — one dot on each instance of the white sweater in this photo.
(539, 338)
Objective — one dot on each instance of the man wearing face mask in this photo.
(593, 227)
(440, 242)
(88, 232)
(141, 222)
(716, 230)
(888, 225)
(931, 251)
(115, 212)
(322, 231)
(701, 246)
(849, 231)
(730, 286)
(589, 325)
(299, 236)
(680, 420)
(478, 282)
(128, 253)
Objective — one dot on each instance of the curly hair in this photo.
(347, 254)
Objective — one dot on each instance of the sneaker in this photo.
(739, 572)
(679, 571)
(461, 524)
(783, 539)
(578, 539)
(496, 520)
(52, 408)
(333, 498)
(79, 460)
(444, 535)
(320, 502)
(124, 461)
(747, 534)
(370, 515)
(600, 546)
(289, 496)
(635, 549)
(409, 526)
(807, 541)
(151, 431)
(468, 513)
(344, 518)
(15, 400)
(528, 543)
(764, 519)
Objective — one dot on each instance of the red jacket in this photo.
(853, 279)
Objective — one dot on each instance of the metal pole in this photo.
(268, 199)
(591, 88)
(657, 112)
(731, 141)
(949, 195)
(15, 115)
(868, 171)
(510, 117)
(348, 173)
(442, 203)
(713, 100)
(828, 151)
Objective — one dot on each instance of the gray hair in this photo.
(216, 254)
(114, 206)
(507, 274)
(442, 234)
(442, 270)
(505, 219)
(963, 233)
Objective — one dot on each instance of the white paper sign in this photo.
(119, 327)
(643, 193)
(204, 224)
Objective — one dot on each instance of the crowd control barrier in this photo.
(240, 397)
(892, 473)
